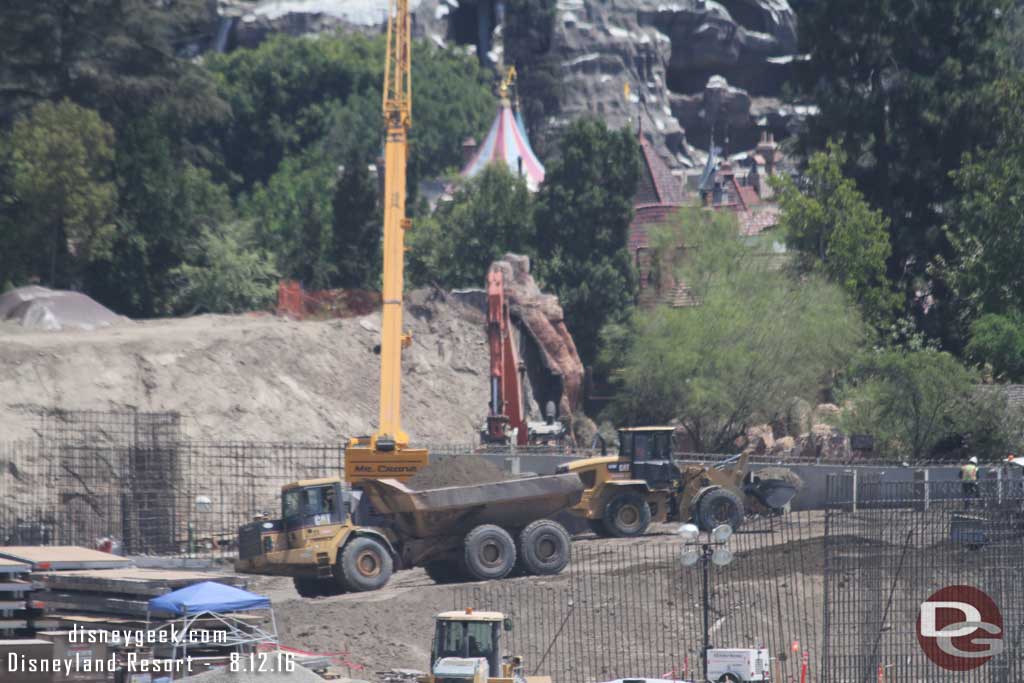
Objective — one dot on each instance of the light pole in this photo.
(706, 549)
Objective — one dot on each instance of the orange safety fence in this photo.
(295, 302)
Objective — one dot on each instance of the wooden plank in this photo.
(16, 586)
(81, 602)
(62, 557)
(13, 567)
(13, 623)
(148, 582)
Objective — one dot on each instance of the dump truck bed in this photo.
(456, 509)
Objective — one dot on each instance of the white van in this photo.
(738, 666)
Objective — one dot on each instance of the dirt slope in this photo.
(259, 378)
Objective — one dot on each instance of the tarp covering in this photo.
(506, 142)
(50, 309)
(208, 596)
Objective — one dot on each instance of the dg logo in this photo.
(960, 628)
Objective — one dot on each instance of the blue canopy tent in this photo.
(217, 603)
(208, 596)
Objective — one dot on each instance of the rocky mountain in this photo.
(695, 68)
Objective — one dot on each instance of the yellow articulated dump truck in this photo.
(331, 538)
(644, 483)
(467, 649)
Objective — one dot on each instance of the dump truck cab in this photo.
(644, 483)
(317, 542)
(467, 648)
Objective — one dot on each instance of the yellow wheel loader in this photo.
(467, 649)
(331, 539)
(643, 484)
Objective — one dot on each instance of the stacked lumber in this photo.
(15, 598)
(122, 593)
(60, 557)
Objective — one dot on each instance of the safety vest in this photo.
(969, 472)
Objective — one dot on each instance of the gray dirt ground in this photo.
(392, 628)
(254, 377)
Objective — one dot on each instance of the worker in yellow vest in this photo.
(969, 480)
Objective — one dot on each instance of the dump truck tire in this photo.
(444, 571)
(306, 587)
(366, 565)
(544, 548)
(626, 515)
(718, 506)
(489, 553)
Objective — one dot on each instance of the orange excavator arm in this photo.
(505, 410)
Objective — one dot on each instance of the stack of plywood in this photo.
(121, 593)
(15, 597)
(95, 589)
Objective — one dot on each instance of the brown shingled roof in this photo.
(657, 184)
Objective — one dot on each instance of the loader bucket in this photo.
(456, 509)
(773, 493)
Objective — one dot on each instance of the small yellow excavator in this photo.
(467, 649)
(642, 484)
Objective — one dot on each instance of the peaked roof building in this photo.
(507, 143)
(658, 195)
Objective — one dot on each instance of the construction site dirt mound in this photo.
(456, 470)
(255, 377)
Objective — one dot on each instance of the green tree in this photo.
(838, 233)
(756, 341)
(293, 219)
(166, 203)
(583, 213)
(222, 274)
(901, 84)
(356, 228)
(986, 225)
(489, 215)
(115, 56)
(292, 93)
(997, 341)
(61, 168)
(911, 401)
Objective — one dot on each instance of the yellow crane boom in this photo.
(398, 117)
(385, 454)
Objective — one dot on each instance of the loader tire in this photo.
(366, 565)
(489, 553)
(627, 515)
(597, 526)
(718, 506)
(444, 571)
(545, 548)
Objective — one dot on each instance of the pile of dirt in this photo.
(257, 378)
(456, 470)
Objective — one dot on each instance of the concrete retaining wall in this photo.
(875, 483)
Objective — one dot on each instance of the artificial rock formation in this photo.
(541, 317)
(676, 57)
